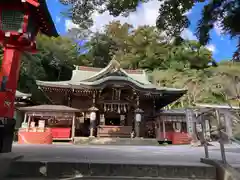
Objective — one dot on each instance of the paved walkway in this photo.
(171, 155)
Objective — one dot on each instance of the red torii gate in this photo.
(20, 22)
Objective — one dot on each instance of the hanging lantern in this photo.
(138, 117)
(93, 116)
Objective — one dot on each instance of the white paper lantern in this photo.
(93, 116)
(138, 117)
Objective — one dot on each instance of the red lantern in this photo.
(20, 21)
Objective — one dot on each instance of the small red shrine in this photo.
(44, 123)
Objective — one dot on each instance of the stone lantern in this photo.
(93, 117)
(138, 119)
(20, 22)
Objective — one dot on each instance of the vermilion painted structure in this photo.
(20, 21)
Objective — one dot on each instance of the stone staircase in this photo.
(79, 170)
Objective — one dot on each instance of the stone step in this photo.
(106, 178)
(71, 170)
(115, 141)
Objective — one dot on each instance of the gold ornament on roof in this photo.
(115, 64)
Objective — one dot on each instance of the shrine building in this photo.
(113, 102)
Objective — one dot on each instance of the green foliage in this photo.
(214, 85)
(53, 62)
(179, 64)
(172, 15)
(145, 47)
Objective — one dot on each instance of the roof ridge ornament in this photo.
(115, 64)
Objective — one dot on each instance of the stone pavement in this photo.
(69, 161)
(176, 155)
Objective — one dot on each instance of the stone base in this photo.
(84, 170)
(224, 171)
(6, 159)
(115, 141)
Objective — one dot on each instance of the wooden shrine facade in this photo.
(114, 102)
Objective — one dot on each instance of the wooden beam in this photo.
(32, 2)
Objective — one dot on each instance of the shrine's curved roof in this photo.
(90, 77)
(47, 25)
(129, 80)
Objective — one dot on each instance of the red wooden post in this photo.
(20, 22)
(10, 72)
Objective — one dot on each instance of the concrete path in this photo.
(170, 155)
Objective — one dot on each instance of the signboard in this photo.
(199, 128)
(189, 120)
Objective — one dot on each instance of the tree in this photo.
(222, 13)
(143, 47)
(172, 15)
(53, 62)
(189, 54)
(99, 49)
(214, 85)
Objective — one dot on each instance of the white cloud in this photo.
(188, 34)
(188, 12)
(212, 48)
(70, 25)
(218, 29)
(145, 15)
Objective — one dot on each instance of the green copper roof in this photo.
(89, 77)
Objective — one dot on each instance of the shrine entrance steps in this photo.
(115, 141)
(83, 170)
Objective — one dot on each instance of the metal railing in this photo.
(221, 135)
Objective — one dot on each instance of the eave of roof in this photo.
(49, 108)
(22, 95)
(110, 79)
(51, 31)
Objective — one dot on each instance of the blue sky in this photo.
(221, 45)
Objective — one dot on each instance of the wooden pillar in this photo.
(159, 128)
(122, 120)
(69, 99)
(25, 118)
(164, 129)
(73, 126)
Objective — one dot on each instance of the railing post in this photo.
(222, 149)
(205, 143)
